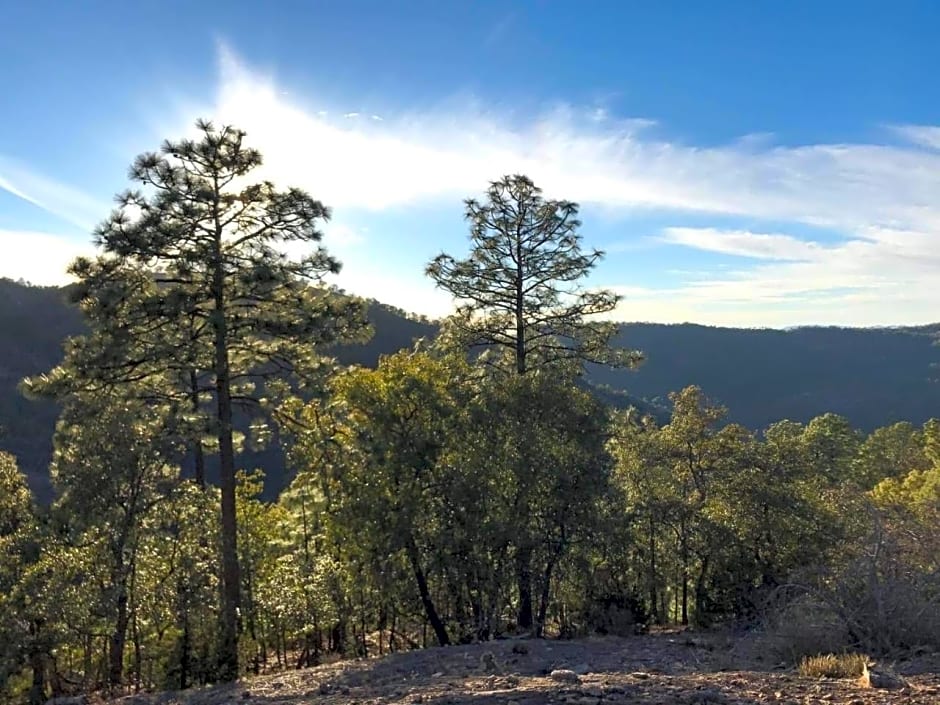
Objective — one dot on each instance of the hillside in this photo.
(871, 376)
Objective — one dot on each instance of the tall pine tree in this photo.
(230, 315)
(522, 301)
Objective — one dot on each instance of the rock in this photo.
(488, 662)
(880, 678)
(708, 696)
(564, 675)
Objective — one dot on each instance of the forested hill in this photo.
(871, 376)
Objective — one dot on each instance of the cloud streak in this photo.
(884, 199)
(742, 243)
(886, 276)
(881, 199)
(456, 149)
(62, 200)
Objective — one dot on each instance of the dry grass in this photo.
(833, 666)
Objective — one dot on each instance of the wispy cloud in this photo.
(454, 150)
(742, 243)
(884, 198)
(882, 277)
(67, 202)
(925, 135)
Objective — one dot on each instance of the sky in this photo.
(755, 164)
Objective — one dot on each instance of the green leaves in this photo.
(518, 291)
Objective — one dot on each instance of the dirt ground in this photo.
(663, 669)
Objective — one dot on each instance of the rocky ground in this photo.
(659, 669)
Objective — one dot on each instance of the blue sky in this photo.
(742, 163)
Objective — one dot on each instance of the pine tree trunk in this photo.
(700, 593)
(524, 616)
(200, 457)
(543, 599)
(436, 624)
(654, 608)
(685, 577)
(118, 635)
(228, 647)
(37, 691)
(185, 653)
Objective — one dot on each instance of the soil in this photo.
(661, 669)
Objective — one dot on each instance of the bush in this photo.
(804, 627)
(833, 666)
(881, 600)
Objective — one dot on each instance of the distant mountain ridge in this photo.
(872, 376)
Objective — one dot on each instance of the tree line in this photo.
(464, 490)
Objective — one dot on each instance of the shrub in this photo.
(833, 666)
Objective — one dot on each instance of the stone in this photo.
(881, 678)
(708, 696)
(564, 675)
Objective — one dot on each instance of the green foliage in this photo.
(18, 550)
(195, 302)
(519, 291)
(439, 496)
(760, 375)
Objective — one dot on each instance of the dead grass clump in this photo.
(833, 666)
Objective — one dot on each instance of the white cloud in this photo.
(884, 199)
(453, 151)
(39, 258)
(882, 277)
(416, 294)
(62, 200)
(743, 243)
(339, 239)
(925, 135)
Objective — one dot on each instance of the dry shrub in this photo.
(880, 600)
(833, 666)
(803, 627)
